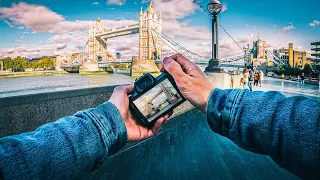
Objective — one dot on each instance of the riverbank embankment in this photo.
(6, 74)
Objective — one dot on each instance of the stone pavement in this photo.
(289, 88)
(188, 149)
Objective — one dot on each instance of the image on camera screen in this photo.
(157, 100)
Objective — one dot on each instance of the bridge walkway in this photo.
(186, 148)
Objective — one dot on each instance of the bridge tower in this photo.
(259, 54)
(150, 45)
(97, 47)
(261, 48)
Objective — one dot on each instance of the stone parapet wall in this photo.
(26, 113)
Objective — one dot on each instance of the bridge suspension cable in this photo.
(275, 59)
(74, 61)
(177, 47)
(219, 24)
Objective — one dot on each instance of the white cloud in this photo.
(205, 44)
(287, 28)
(314, 24)
(61, 46)
(9, 23)
(175, 9)
(116, 2)
(253, 27)
(95, 3)
(30, 50)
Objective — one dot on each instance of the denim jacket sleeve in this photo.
(64, 149)
(285, 128)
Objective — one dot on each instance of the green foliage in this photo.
(7, 63)
(287, 70)
(307, 69)
(20, 64)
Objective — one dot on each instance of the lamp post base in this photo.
(214, 66)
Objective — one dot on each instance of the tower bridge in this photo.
(151, 39)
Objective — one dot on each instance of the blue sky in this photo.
(37, 27)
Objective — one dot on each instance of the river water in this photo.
(40, 84)
(49, 83)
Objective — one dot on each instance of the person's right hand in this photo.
(193, 84)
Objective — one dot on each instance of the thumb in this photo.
(173, 68)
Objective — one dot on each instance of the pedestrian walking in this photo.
(250, 78)
(245, 79)
(302, 80)
(256, 79)
(260, 77)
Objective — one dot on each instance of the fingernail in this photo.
(167, 60)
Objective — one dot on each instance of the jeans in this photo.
(250, 85)
(302, 83)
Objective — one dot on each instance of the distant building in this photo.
(292, 57)
(316, 52)
(62, 59)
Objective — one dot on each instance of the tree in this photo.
(8, 63)
(307, 69)
(46, 63)
(19, 64)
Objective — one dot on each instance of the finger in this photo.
(182, 60)
(162, 68)
(166, 117)
(130, 89)
(156, 127)
(173, 68)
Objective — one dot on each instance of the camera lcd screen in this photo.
(158, 100)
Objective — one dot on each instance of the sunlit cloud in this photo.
(287, 28)
(95, 3)
(314, 24)
(116, 2)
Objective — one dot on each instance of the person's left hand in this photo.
(135, 131)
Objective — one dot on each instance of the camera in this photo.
(154, 97)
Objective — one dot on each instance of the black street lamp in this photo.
(246, 58)
(214, 7)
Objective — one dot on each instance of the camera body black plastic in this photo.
(154, 97)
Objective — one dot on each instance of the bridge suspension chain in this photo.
(272, 57)
(80, 54)
(181, 47)
(177, 47)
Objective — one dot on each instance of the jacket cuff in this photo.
(221, 108)
(112, 128)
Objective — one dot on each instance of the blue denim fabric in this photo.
(64, 149)
(250, 85)
(285, 128)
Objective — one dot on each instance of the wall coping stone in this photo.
(46, 96)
